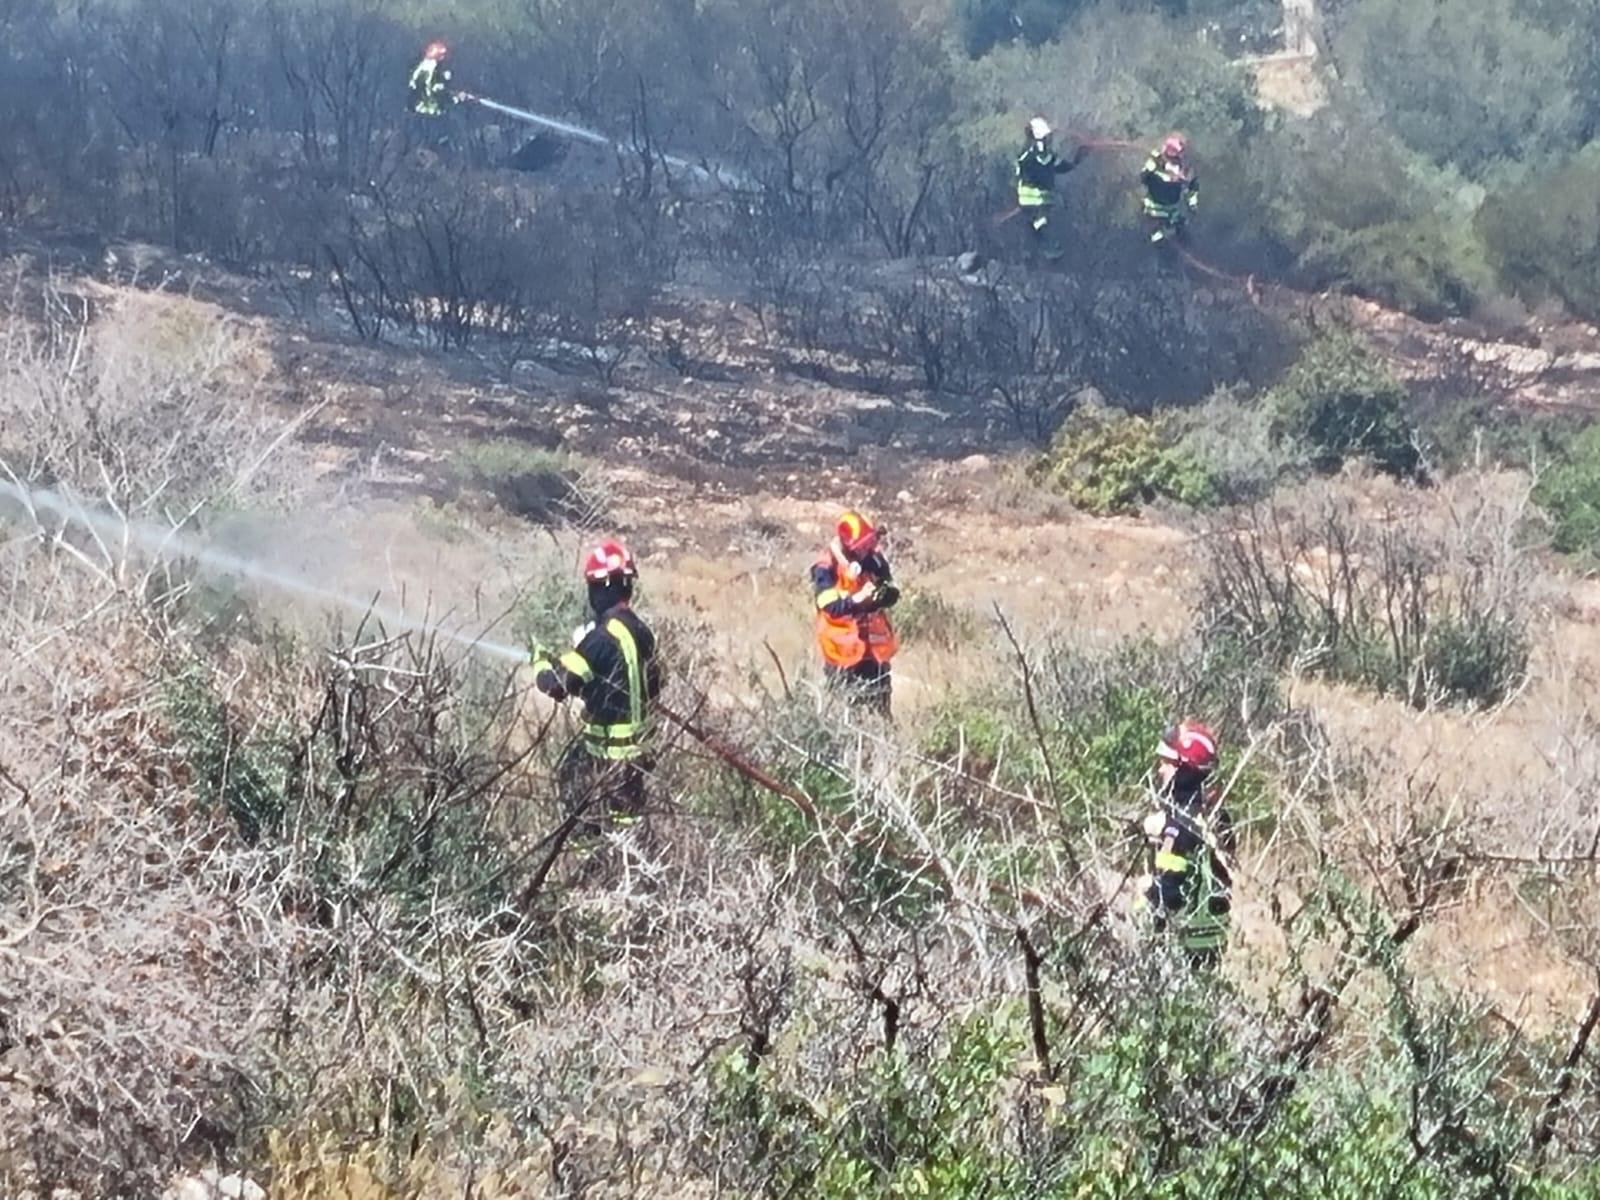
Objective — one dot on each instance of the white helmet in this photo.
(1038, 129)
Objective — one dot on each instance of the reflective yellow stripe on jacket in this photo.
(1166, 860)
(1029, 196)
(622, 739)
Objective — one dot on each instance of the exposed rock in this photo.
(210, 1185)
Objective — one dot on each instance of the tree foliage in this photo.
(1340, 402)
(1465, 84)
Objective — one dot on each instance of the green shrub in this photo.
(1543, 236)
(1569, 492)
(1231, 436)
(1107, 749)
(1171, 1093)
(242, 774)
(550, 610)
(927, 617)
(1426, 265)
(979, 734)
(1108, 462)
(1339, 402)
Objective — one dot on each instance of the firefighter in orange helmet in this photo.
(430, 82)
(854, 588)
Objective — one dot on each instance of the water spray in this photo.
(165, 543)
(709, 172)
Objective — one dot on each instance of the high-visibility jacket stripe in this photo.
(831, 596)
(622, 739)
(578, 665)
(1166, 860)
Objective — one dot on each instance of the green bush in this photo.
(1543, 235)
(927, 617)
(1164, 1096)
(1339, 402)
(233, 770)
(1110, 462)
(1433, 617)
(1107, 749)
(1570, 493)
(550, 610)
(1231, 436)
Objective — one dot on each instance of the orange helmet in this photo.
(857, 535)
(436, 50)
(1189, 745)
(1175, 146)
(609, 560)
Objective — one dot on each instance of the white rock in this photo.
(209, 1185)
(237, 1187)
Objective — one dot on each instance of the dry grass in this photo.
(171, 993)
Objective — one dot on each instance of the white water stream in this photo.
(169, 544)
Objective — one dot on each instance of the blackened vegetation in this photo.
(275, 141)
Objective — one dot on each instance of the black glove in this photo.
(550, 685)
(888, 595)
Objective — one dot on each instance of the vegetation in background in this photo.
(546, 486)
(310, 915)
(1108, 462)
(1339, 402)
(1569, 491)
(1435, 616)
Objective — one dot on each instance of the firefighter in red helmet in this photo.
(1190, 839)
(854, 589)
(612, 668)
(1171, 190)
(430, 82)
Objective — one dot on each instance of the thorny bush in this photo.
(1433, 615)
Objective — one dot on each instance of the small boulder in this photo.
(210, 1185)
(969, 262)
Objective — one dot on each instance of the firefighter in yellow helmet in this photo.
(854, 589)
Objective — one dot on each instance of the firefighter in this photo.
(613, 670)
(430, 85)
(1037, 168)
(1171, 190)
(1190, 839)
(854, 588)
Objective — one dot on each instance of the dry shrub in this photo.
(134, 946)
(1434, 611)
(154, 403)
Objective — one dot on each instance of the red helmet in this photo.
(857, 535)
(1190, 745)
(609, 560)
(1175, 146)
(436, 50)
